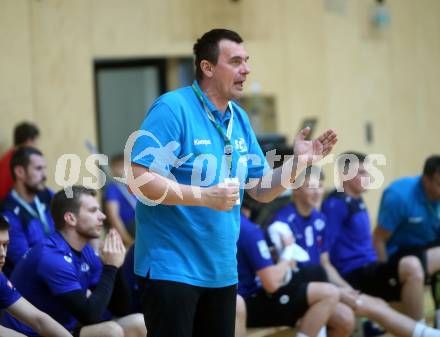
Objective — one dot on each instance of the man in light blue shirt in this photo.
(409, 222)
(192, 157)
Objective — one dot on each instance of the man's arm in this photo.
(89, 310)
(40, 322)
(305, 154)
(144, 183)
(9, 333)
(380, 238)
(332, 273)
(273, 277)
(392, 211)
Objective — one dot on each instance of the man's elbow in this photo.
(270, 284)
(270, 288)
(39, 321)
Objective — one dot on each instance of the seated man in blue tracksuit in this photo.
(12, 302)
(27, 206)
(307, 225)
(351, 247)
(277, 295)
(64, 277)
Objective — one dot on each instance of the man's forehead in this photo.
(88, 201)
(232, 49)
(4, 235)
(36, 159)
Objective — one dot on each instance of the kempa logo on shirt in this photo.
(202, 141)
(68, 258)
(415, 219)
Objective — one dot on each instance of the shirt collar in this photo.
(223, 118)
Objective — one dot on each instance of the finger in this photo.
(232, 190)
(120, 246)
(329, 134)
(330, 140)
(106, 243)
(303, 133)
(117, 235)
(112, 243)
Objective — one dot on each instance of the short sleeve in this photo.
(391, 211)
(158, 141)
(256, 251)
(58, 272)
(8, 294)
(257, 164)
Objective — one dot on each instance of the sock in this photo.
(322, 332)
(437, 318)
(421, 330)
(418, 330)
(430, 332)
(300, 334)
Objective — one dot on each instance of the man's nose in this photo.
(245, 69)
(102, 216)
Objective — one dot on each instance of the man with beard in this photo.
(25, 134)
(27, 206)
(64, 277)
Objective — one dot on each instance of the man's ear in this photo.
(207, 68)
(20, 172)
(70, 218)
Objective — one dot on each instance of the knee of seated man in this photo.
(345, 317)
(410, 267)
(133, 325)
(325, 291)
(112, 329)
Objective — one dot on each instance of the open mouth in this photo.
(239, 84)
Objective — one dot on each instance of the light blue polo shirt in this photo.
(408, 214)
(191, 244)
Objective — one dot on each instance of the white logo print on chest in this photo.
(202, 141)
